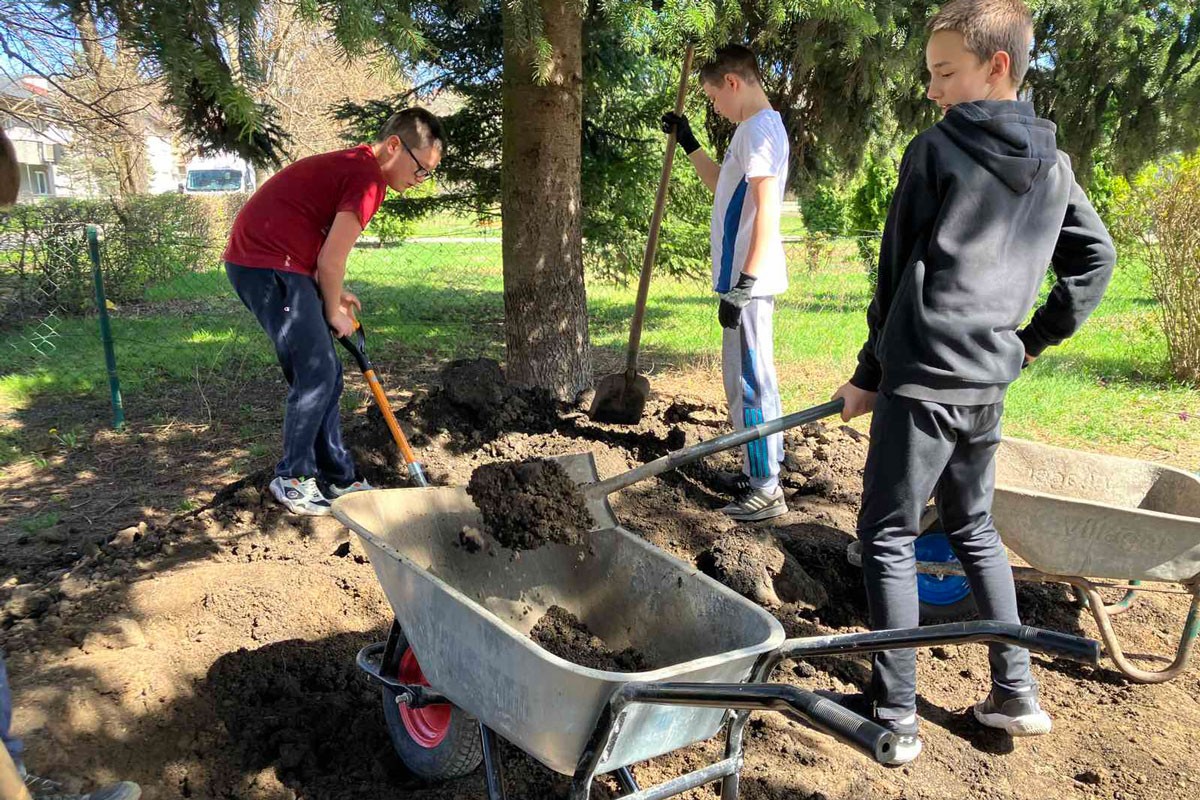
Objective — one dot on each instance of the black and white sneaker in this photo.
(1017, 713)
(756, 505)
(300, 496)
(908, 740)
(734, 483)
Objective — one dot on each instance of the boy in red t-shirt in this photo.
(287, 261)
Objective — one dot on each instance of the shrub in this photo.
(824, 211)
(44, 262)
(1162, 217)
(868, 206)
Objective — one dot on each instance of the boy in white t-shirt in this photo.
(747, 260)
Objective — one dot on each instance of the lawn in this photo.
(1107, 388)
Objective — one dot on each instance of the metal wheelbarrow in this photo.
(466, 617)
(1083, 519)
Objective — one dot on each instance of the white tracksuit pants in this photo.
(752, 390)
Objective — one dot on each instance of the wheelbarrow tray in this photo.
(467, 617)
(1069, 512)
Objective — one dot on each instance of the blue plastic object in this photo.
(939, 590)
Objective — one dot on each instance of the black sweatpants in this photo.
(921, 449)
(288, 307)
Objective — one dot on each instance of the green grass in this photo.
(1106, 388)
(39, 522)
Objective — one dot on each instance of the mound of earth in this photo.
(212, 657)
(563, 634)
(526, 504)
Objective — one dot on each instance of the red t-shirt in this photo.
(284, 224)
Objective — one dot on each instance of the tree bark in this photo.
(545, 304)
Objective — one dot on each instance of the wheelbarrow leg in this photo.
(625, 778)
(1187, 642)
(493, 767)
(731, 784)
(1119, 607)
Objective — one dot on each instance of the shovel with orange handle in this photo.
(356, 343)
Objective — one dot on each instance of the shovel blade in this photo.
(620, 399)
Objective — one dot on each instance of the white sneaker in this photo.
(357, 486)
(756, 505)
(1016, 713)
(300, 496)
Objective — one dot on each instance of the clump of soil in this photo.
(526, 504)
(561, 633)
(755, 567)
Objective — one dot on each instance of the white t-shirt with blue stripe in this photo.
(759, 149)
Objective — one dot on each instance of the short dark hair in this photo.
(416, 127)
(732, 58)
(989, 26)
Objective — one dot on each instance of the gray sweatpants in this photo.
(919, 449)
(752, 390)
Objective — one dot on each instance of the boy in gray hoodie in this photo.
(983, 204)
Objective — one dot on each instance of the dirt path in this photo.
(212, 656)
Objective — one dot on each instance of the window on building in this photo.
(39, 181)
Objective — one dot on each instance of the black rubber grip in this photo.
(1061, 645)
(861, 733)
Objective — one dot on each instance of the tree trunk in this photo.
(545, 305)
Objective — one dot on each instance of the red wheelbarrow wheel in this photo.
(436, 742)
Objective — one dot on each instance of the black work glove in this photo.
(733, 301)
(683, 131)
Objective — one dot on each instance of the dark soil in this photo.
(526, 504)
(561, 632)
(210, 654)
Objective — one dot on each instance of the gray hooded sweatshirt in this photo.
(984, 203)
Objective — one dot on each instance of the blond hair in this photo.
(989, 26)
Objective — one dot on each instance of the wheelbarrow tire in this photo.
(433, 745)
(940, 600)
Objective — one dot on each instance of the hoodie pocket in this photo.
(901, 304)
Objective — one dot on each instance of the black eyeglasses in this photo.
(421, 172)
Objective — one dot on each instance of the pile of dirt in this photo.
(563, 634)
(824, 461)
(475, 403)
(526, 504)
(213, 656)
(754, 566)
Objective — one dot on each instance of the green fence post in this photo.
(110, 355)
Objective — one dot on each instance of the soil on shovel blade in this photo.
(212, 655)
(526, 504)
(563, 634)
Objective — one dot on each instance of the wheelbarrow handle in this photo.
(695, 452)
(867, 737)
(1060, 645)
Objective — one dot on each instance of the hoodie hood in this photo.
(1006, 138)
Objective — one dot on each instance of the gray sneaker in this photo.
(1015, 712)
(756, 505)
(908, 741)
(358, 486)
(300, 496)
(45, 789)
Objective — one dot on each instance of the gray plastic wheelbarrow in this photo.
(467, 616)
(1076, 517)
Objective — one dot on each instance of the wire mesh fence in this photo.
(180, 335)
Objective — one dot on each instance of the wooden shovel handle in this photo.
(660, 204)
